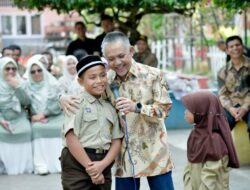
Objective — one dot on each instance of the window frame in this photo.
(28, 18)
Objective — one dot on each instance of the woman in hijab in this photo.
(210, 148)
(69, 72)
(42, 58)
(15, 130)
(43, 90)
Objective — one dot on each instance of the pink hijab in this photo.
(211, 139)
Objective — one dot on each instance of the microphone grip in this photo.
(116, 93)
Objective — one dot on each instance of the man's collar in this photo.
(133, 69)
(243, 64)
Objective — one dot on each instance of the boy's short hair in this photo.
(87, 62)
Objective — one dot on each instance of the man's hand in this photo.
(12, 81)
(69, 104)
(125, 105)
(234, 112)
(95, 168)
(240, 114)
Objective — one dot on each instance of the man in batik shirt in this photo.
(233, 80)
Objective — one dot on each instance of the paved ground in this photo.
(239, 178)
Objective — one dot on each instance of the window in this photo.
(21, 25)
(6, 3)
(6, 25)
(35, 24)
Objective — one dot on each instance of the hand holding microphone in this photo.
(124, 105)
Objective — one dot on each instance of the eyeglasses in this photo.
(10, 68)
(36, 71)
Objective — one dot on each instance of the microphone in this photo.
(114, 86)
(115, 89)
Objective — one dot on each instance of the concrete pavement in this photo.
(239, 178)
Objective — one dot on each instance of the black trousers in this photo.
(75, 177)
(232, 121)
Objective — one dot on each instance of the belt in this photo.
(96, 151)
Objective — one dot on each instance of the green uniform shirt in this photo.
(95, 123)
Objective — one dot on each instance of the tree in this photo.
(127, 13)
(235, 5)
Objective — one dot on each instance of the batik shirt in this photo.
(146, 130)
(234, 85)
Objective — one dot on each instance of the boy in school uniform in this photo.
(92, 135)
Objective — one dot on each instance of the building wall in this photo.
(32, 34)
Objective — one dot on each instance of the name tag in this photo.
(88, 110)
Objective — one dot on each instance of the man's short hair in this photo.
(80, 23)
(106, 17)
(15, 47)
(113, 37)
(143, 38)
(219, 42)
(5, 48)
(231, 38)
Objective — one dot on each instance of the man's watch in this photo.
(138, 107)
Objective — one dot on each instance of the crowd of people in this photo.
(107, 119)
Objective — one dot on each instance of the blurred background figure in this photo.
(69, 72)
(221, 44)
(82, 46)
(15, 130)
(43, 90)
(49, 57)
(17, 52)
(107, 25)
(7, 52)
(144, 54)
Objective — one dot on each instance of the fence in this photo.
(175, 53)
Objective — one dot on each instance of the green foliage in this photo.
(152, 25)
(234, 5)
(127, 13)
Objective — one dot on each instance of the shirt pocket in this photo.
(89, 123)
(107, 126)
(89, 117)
